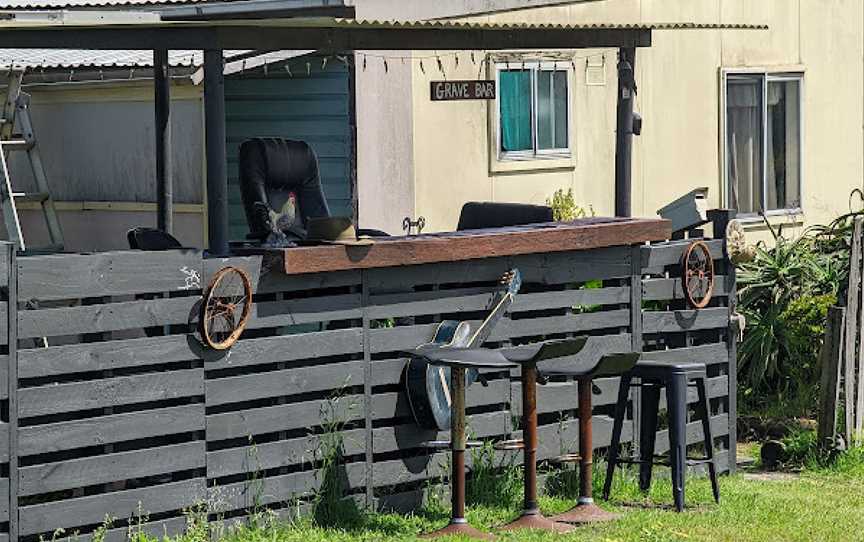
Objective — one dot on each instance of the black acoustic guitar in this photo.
(427, 386)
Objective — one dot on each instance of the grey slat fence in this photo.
(113, 407)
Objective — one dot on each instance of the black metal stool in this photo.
(677, 377)
(458, 360)
(528, 357)
(609, 365)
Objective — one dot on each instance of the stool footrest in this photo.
(664, 461)
(445, 444)
(516, 444)
(566, 458)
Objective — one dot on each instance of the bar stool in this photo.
(677, 377)
(609, 365)
(528, 357)
(458, 360)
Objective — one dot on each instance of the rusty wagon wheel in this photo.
(698, 275)
(225, 308)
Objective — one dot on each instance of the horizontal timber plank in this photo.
(121, 390)
(281, 453)
(328, 376)
(406, 436)
(657, 256)
(671, 289)
(714, 388)
(75, 276)
(318, 344)
(146, 501)
(562, 396)
(719, 428)
(685, 320)
(72, 473)
(569, 323)
(708, 354)
(272, 419)
(305, 310)
(549, 268)
(277, 489)
(477, 244)
(395, 404)
(54, 437)
(250, 264)
(106, 317)
(166, 528)
(107, 355)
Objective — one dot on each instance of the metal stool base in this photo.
(536, 521)
(585, 513)
(459, 529)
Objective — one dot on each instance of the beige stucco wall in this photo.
(679, 98)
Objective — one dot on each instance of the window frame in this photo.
(535, 154)
(795, 74)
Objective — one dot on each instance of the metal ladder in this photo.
(17, 108)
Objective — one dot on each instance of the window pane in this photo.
(744, 143)
(515, 99)
(552, 110)
(784, 155)
(561, 121)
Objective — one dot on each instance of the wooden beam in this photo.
(327, 39)
(450, 247)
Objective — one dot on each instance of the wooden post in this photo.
(829, 360)
(859, 403)
(12, 381)
(214, 135)
(164, 167)
(850, 339)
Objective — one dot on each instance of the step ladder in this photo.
(16, 111)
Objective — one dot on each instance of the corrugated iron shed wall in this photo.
(311, 105)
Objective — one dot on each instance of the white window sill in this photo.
(531, 163)
(787, 217)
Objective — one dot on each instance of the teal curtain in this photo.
(515, 99)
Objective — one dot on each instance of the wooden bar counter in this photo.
(584, 234)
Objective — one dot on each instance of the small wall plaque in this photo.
(462, 90)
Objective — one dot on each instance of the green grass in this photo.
(823, 503)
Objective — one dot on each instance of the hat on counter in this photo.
(334, 230)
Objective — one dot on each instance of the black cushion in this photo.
(151, 239)
(272, 168)
(478, 215)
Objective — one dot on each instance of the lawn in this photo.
(820, 504)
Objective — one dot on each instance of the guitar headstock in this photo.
(512, 281)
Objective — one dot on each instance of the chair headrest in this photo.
(285, 163)
(151, 239)
(487, 214)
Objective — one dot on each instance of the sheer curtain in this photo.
(783, 185)
(744, 143)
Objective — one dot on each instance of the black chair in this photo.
(677, 378)
(151, 239)
(271, 169)
(477, 215)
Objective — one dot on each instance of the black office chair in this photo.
(151, 239)
(478, 215)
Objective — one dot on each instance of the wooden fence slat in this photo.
(121, 390)
(305, 310)
(685, 320)
(281, 453)
(106, 468)
(170, 528)
(853, 298)
(75, 276)
(407, 436)
(394, 404)
(662, 289)
(250, 264)
(92, 509)
(284, 383)
(562, 396)
(719, 428)
(272, 419)
(273, 280)
(708, 354)
(571, 323)
(829, 388)
(54, 437)
(657, 256)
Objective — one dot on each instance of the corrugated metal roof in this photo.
(67, 4)
(49, 59)
(471, 25)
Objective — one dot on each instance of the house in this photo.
(770, 118)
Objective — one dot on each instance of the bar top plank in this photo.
(583, 234)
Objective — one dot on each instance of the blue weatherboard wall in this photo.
(310, 107)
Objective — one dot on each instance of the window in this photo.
(763, 142)
(533, 110)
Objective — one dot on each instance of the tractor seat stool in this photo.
(528, 357)
(585, 371)
(676, 377)
(459, 360)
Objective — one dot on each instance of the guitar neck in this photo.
(491, 320)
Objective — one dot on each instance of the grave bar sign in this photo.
(462, 90)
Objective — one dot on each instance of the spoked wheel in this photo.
(698, 275)
(226, 307)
